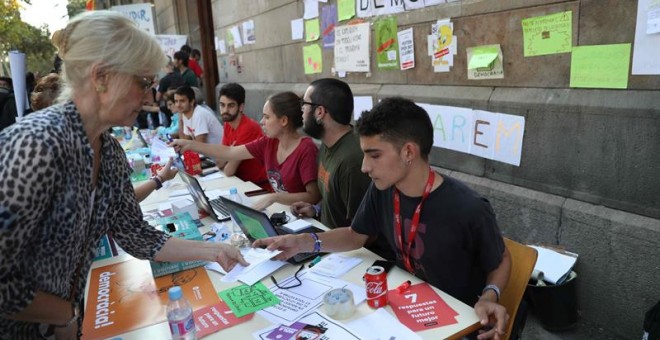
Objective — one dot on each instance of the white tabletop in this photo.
(467, 320)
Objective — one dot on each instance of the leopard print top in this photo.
(47, 229)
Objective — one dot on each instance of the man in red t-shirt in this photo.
(239, 129)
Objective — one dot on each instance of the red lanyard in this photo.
(405, 251)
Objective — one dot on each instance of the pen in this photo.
(316, 260)
(402, 287)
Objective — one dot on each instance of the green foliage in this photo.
(75, 7)
(18, 35)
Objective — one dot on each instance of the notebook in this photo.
(256, 225)
(215, 208)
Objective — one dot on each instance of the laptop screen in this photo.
(197, 193)
(254, 224)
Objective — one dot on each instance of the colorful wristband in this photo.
(317, 242)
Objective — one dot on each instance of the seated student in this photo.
(195, 121)
(239, 130)
(289, 158)
(457, 244)
(173, 128)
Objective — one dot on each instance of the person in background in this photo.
(327, 108)
(173, 128)
(193, 62)
(171, 81)
(7, 103)
(45, 92)
(78, 186)
(181, 64)
(195, 121)
(239, 129)
(440, 230)
(288, 157)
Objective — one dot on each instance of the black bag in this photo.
(652, 323)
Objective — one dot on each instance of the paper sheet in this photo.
(554, 265)
(335, 265)
(389, 328)
(245, 299)
(297, 29)
(301, 300)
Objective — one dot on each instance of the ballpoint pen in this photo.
(316, 260)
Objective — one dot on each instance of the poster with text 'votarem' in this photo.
(125, 296)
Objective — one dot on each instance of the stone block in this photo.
(618, 264)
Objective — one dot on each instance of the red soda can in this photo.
(376, 281)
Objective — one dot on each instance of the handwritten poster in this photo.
(345, 9)
(406, 49)
(141, 14)
(600, 66)
(548, 34)
(495, 136)
(312, 31)
(485, 62)
(171, 43)
(328, 23)
(313, 59)
(352, 48)
(387, 47)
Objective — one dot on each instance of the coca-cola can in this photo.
(376, 282)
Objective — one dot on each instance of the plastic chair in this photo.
(523, 259)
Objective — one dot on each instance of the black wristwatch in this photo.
(74, 318)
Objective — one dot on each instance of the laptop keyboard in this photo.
(218, 206)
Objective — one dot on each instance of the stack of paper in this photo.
(335, 265)
(554, 265)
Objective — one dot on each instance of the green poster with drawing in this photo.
(387, 47)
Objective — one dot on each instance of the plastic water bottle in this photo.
(180, 316)
(237, 239)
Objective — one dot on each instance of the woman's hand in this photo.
(303, 209)
(167, 172)
(228, 256)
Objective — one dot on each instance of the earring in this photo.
(408, 162)
(100, 88)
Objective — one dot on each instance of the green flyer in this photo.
(387, 47)
(243, 300)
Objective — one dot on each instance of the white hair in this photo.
(113, 43)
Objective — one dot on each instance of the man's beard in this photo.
(313, 128)
(227, 117)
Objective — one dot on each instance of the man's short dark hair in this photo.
(398, 120)
(196, 53)
(233, 91)
(186, 91)
(185, 48)
(183, 56)
(336, 96)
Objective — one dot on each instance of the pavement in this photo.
(534, 330)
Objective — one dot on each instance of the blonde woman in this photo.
(64, 182)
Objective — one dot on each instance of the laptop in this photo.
(215, 208)
(256, 224)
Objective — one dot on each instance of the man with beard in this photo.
(239, 129)
(327, 109)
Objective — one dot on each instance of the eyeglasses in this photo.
(303, 102)
(144, 82)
